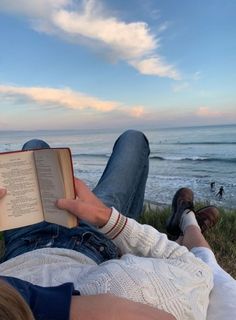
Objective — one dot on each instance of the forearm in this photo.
(96, 308)
(143, 240)
(127, 234)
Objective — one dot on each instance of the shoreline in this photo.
(155, 205)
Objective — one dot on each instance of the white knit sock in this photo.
(188, 219)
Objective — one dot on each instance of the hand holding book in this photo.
(86, 206)
(34, 180)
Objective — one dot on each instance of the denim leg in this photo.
(123, 182)
(35, 144)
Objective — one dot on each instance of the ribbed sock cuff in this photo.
(188, 219)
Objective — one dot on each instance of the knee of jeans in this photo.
(35, 144)
(136, 137)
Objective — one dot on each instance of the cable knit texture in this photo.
(172, 279)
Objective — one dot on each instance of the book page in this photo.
(51, 185)
(22, 205)
(68, 178)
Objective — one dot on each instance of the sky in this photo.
(104, 64)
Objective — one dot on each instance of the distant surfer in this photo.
(213, 186)
(220, 193)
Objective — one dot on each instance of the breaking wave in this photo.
(202, 159)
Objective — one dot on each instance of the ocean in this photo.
(180, 157)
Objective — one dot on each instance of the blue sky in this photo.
(75, 64)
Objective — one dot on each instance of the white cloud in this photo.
(164, 26)
(33, 9)
(156, 66)
(197, 75)
(181, 86)
(62, 97)
(128, 40)
(66, 98)
(132, 42)
(137, 111)
(207, 112)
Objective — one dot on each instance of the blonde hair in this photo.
(12, 305)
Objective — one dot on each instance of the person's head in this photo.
(12, 305)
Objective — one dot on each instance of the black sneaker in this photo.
(183, 199)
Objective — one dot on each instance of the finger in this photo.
(85, 194)
(3, 192)
(68, 204)
(77, 207)
(86, 211)
(82, 189)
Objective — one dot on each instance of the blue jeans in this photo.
(122, 186)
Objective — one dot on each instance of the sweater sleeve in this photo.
(142, 240)
(51, 303)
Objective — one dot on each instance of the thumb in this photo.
(3, 192)
(68, 204)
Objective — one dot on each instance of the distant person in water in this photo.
(220, 192)
(213, 186)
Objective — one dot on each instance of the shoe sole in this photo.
(171, 225)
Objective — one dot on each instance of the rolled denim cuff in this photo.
(115, 224)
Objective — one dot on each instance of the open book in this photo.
(34, 180)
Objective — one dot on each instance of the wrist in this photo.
(104, 216)
(115, 225)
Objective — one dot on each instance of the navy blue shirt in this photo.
(46, 303)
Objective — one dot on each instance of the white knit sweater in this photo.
(171, 279)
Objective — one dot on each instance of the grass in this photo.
(222, 238)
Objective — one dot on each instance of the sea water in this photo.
(180, 157)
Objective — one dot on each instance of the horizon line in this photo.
(121, 128)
